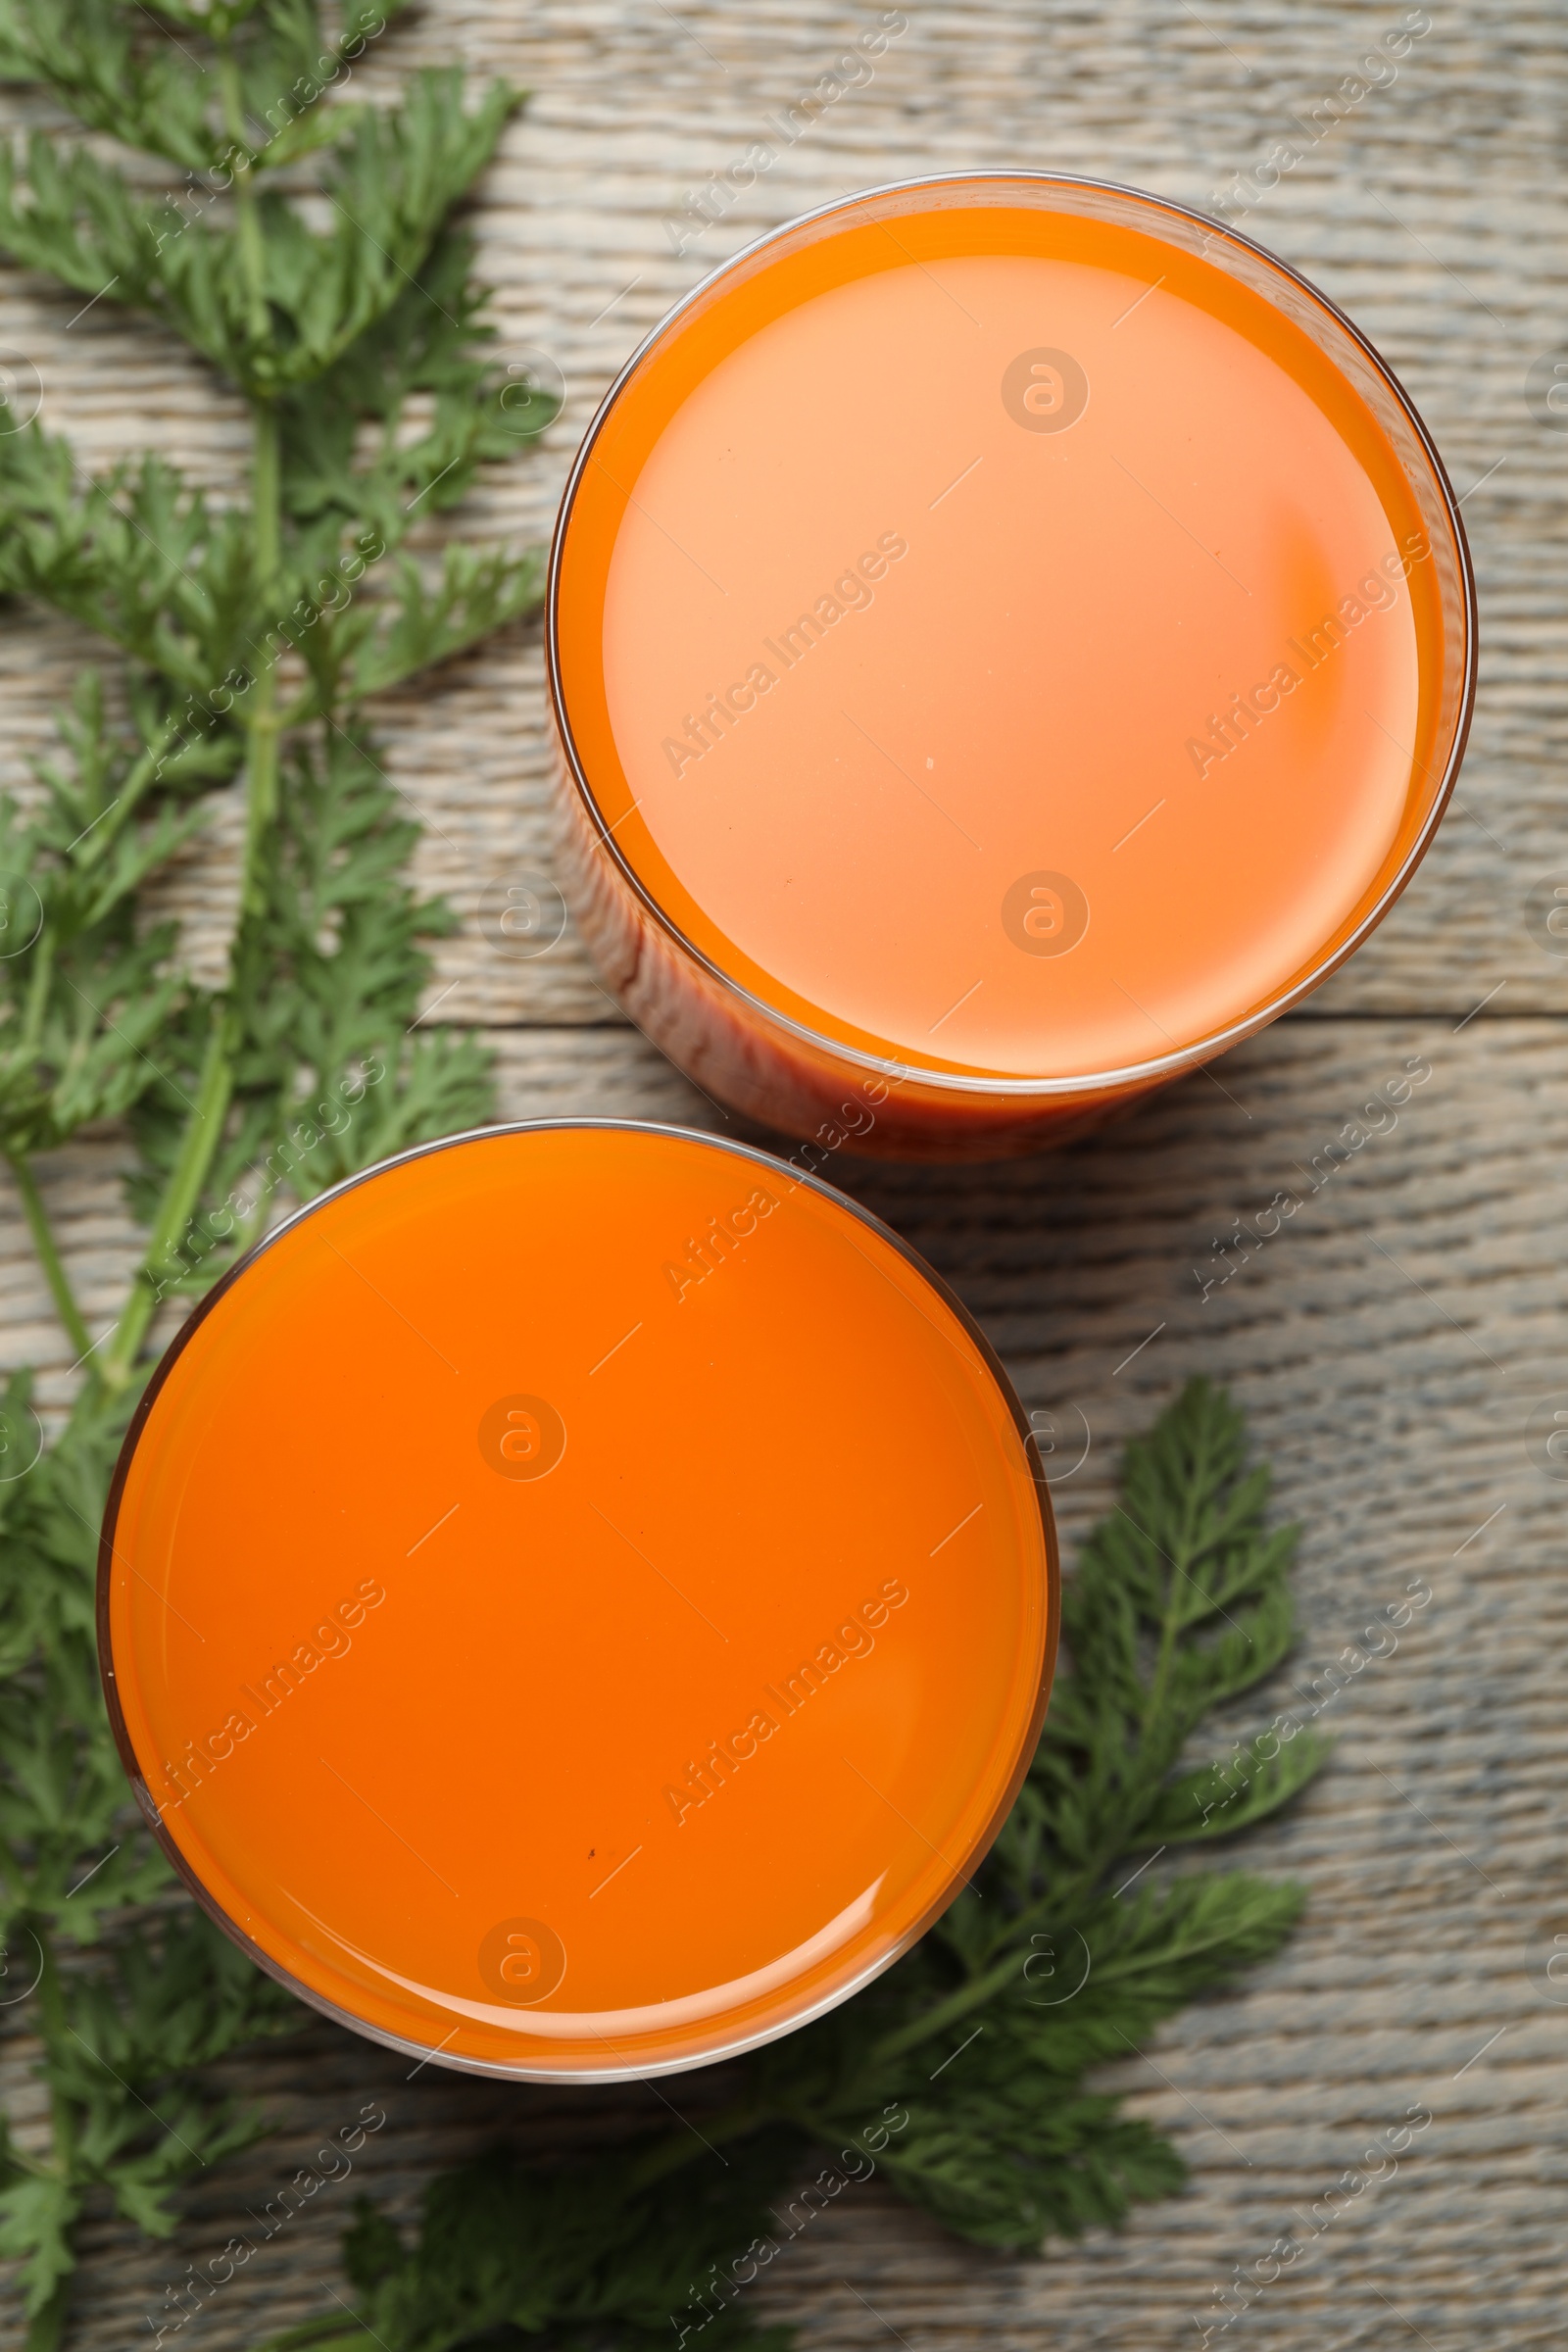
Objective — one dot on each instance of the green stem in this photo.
(683, 2147)
(1170, 1631)
(948, 2012)
(1053, 1903)
(202, 1131)
(43, 1240)
(260, 797)
(266, 507)
(46, 2327)
(142, 773)
(43, 966)
(251, 253)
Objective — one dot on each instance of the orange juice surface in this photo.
(577, 1601)
(1001, 640)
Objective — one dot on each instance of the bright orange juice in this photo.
(1008, 636)
(577, 1601)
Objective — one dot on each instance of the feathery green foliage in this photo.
(243, 640)
(960, 2075)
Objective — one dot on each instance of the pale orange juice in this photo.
(1008, 637)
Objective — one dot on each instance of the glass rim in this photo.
(496, 2069)
(1000, 1086)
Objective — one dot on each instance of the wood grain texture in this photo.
(1390, 1340)
(1389, 1343)
(1435, 213)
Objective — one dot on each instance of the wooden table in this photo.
(1390, 1344)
